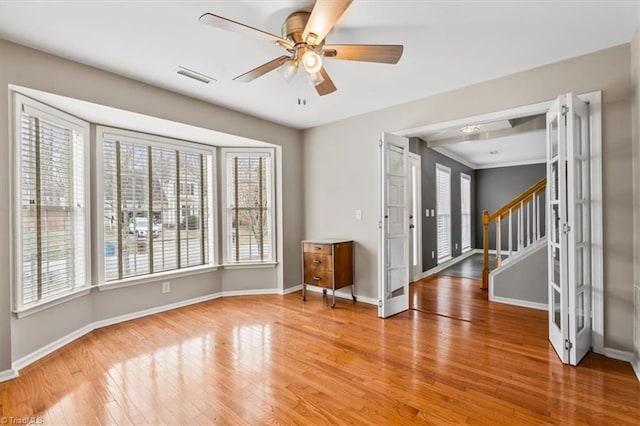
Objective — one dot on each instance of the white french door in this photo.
(568, 216)
(415, 219)
(394, 226)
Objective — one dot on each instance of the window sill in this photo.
(145, 279)
(256, 265)
(466, 250)
(444, 260)
(25, 312)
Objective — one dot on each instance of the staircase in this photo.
(519, 231)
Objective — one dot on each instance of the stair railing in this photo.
(526, 207)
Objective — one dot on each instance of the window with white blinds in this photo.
(52, 209)
(249, 206)
(465, 211)
(156, 202)
(443, 211)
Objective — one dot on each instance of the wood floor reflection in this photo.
(274, 359)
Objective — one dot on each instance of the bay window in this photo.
(248, 181)
(156, 204)
(52, 204)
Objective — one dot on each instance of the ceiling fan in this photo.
(303, 37)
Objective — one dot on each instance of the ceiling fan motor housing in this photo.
(294, 25)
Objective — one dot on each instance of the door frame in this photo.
(595, 139)
(417, 219)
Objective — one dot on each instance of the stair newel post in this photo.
(498, 241)
(485, 248)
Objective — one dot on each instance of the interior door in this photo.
(394, 226)
(569, 242)
(556, 218)
(579, 229)
(415, 218)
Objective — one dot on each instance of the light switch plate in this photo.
(359, 214)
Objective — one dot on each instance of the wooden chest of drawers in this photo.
(327, 264)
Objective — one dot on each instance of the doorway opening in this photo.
(595, 193)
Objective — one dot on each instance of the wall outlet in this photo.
(426, 212)
(433, 254)
(358, 214)
(456, 246)
(166, 287)
(433, 213)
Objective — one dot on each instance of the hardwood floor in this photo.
(273, 359)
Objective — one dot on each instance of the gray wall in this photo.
(342, 170)
(495, 187)
(429, 159)
(33, 69)
(524, 280)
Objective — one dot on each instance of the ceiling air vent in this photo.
(195, 75)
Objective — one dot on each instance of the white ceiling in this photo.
(522, 148)
(456, 132)
(448, 44)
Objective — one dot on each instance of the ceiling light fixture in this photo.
(195, 75)
(288, 70)
(470, 129)
(315, 78)
(311, 61)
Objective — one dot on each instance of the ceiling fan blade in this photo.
(323, 17)
(262, 69)
(327, 85)
(382, 53)
(229, 25)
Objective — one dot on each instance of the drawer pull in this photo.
(317, 278)
(317, 248)
(317, 262)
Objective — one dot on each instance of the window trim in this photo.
(223, 200)
(464, 176)
(130, 136)
(20, 103)
(447, 170)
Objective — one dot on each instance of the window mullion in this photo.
(178, 207)
(260, 204)
(119, 209)
(38, 210)
(236, 227)
(150, 214)
(202, 221)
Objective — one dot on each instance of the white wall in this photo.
(341, 166)
(635, 122)
(26, 67)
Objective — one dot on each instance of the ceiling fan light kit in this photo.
(303, 37)
(311, 61)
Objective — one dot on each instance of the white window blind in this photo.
(465, 211)
(249, 198)
(156, 207)
(53, 219)
(443, 211)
